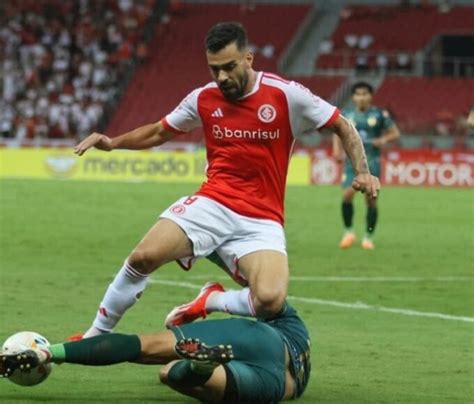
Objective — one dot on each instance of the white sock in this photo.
(122, 293)
(237, 302)
(93, 332)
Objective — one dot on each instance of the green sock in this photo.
(58, 353)
(347, 214)
(186, 373)
(372, 214)
(107, 349)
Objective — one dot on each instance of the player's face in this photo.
(230, 69)
(362, 98)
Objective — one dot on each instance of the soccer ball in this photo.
(27, 340)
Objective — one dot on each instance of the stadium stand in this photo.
(67, 63)
(324, 86)
(63, 62)
(433, 102)
(365, 30)
(158, 86)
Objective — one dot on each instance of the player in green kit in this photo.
(376, 128)
(228, 361)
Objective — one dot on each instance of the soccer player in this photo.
(376, 128)
(250, 121)
(470, 119)
(225, 361)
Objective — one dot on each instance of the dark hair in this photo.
(361, 85)
(225, 33)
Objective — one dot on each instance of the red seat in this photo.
(420, 103)
(395, 29)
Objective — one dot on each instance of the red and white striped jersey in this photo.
(249, 141)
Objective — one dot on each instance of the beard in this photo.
(233, 90)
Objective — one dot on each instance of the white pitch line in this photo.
(355, 306)
(364, 306)
(381, 279)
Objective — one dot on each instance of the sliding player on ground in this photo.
(220, 361)
(376, 129)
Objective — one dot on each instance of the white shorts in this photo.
(213, 227)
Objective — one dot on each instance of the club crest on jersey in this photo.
(178, 209)
(266, 113)
(372, 120)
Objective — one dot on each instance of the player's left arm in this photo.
(352, 144)
(390, 131)
(318, 113)
(389, 135)
(337, 149)
(470, 119)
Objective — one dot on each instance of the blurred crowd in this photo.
(63, 61)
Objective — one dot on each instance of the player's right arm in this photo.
(182, 119)
(144, 137)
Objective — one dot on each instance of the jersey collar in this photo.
(255, 88)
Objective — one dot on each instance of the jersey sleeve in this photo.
(308, 111)
(185, 117)
(387, 120)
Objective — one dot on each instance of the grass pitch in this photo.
(62, 242)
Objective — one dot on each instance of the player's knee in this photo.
(348, 196)
(143, 261)
(268, 302)
(164, 375)
(371, 202)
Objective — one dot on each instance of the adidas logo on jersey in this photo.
(217, 113)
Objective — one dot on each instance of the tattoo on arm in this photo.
(352, 144)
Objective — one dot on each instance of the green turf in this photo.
(61, 243)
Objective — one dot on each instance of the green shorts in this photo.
(348, 175)
(258, 366)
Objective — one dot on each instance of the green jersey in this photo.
(370, 124)
(259, 352)
(296, 337)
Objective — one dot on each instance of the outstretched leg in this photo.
(267, 274)
(165, 242)
(102, 350)
(207, 372)
(200, 375)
